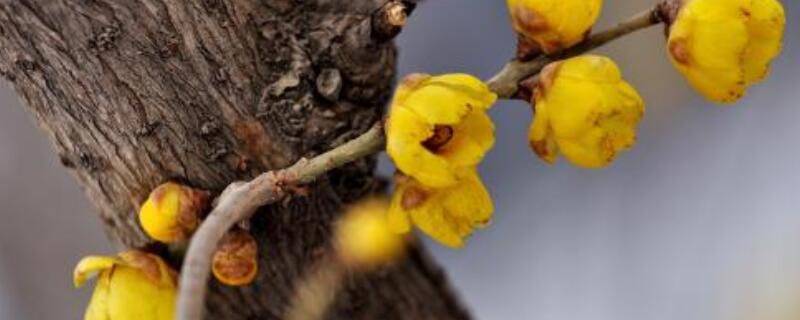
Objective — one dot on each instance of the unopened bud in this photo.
(173, 212)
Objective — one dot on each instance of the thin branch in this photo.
(506, 83)
(240, 200)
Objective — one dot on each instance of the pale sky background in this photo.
(699, 222)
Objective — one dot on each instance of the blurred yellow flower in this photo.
(133, 286)
(364, 238)
(235, 262)
(553, 25)
(448, 215)
(585, 111)
(724, 46)
(438, 125)
(172, 212)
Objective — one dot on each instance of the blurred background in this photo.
(700, 221)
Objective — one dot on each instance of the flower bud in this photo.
(236, 260)
(584, 111)
(173, 212)
(135, 285)
(364, 238)
(438, 125)
(552, 25)
(722, 47)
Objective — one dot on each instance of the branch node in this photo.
(389, 20)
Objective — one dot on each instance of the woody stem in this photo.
(240, 200)
(506, 83)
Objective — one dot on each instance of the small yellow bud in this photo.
(236, 260)
(364, 238)
(449, 215)
(438, 125)
(133, 286)
(173, 212)
(585, 111)
(724, 46)
(553, 25)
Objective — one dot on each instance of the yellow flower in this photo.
(235, 262)
(364, 237)
(448, 215)
(585, 111)
(724, 46)
(553, 25)
(438, 125)
(133, 286)
(172, 212)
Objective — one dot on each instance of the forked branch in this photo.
(240, 200)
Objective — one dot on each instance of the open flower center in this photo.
(442, 134)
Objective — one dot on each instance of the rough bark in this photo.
(206, 92)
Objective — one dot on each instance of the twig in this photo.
(506, 83)
(240, 200)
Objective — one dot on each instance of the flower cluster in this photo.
(437, 133)
(438, 130)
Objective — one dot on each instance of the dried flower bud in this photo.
(722, 47)
(364, 238)
(173, 212)
(236, 260)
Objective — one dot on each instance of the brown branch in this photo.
(240, 200)
(506, 83)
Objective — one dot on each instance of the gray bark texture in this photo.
(134, 93)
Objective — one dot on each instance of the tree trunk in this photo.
(134, 93)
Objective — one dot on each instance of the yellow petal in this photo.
(404, 135)
(766, 27)
(99, 303)
(472, 138)
(397, 217)
(587, 151)
(448, 215)
(89, 266)
(446, 99)
(131, 296)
